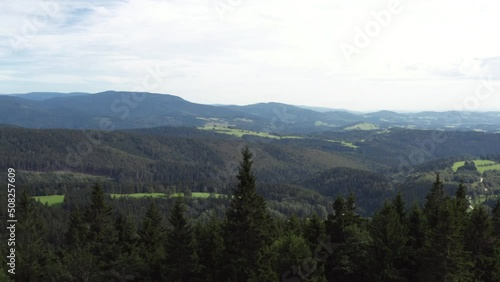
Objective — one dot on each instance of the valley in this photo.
(78, 161)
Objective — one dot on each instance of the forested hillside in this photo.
(99, 239)
(374, 165)
(125, 110)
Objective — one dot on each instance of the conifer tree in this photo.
(77, 234)
(447, 257)
(247, 227)
(182, 263)
(211, 248)
(293, 226)
(390, 236)
(399, 206)
(495, 212)
(129, 263)
(349, 243)
(291, 253)
(31, 242)
(417, 242)
(102, 235)
(344, 215)
(315, 235)
(481, 243)
(461, 204)
(152, 241)
(78, 259)
(314, 232)
(461, 201)
(434, 200)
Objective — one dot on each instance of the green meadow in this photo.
(53, 200)
(363, 126)
(241, 132)
(482, 165)
(202, 195)
(344, 143)
(56, 200)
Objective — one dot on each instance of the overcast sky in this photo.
(403, 55)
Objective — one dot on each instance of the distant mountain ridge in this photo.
(39, 96)
(123, 110)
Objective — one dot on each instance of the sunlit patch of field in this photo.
(482, 165)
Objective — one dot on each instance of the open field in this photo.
(138, 195)
(320, 123)
(344, 143)
(482, 165)
(160, 195)
(363, 126)
(54, 200)
(240, 132)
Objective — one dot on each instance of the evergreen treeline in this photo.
(442, 241)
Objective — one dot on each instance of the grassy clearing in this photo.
(344, 143)
(243, 119)
(482, 165)
(53, 200)
(203, 195)
(241, 132)
(457, 165)
(479, 200)
(363, 126)
(56, 200)
(320, 123)
(238, 132)
(138, 195)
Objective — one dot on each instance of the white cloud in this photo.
(285, 51)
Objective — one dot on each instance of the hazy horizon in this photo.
(314, 108)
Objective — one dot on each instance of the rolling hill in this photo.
(122, 110)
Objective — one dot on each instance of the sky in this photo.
(402, 55)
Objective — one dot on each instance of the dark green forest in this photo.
(296, 176)
(382, 205)
(239, 239)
